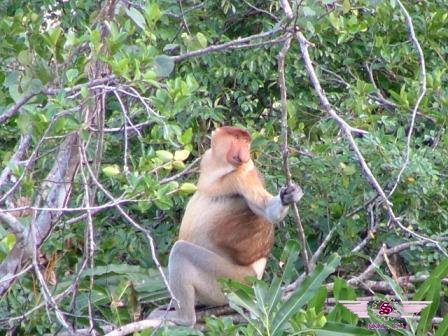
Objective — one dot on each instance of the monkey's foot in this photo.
(171, 317)
(161, 314)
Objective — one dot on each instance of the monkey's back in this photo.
(227, 226)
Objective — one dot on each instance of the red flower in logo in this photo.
(385, 308)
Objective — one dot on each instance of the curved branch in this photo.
(348, 130)
(419, 99)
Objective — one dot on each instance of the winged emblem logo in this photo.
(385, 308)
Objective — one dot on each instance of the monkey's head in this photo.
(231, 145)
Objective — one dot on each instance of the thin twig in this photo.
(370, 232)
(419, 99)
(225, 46)
(322, 246)
(90, 243)
(261, 10)
(125, 134)
(49, 299)
(132, 222)
(183, 173)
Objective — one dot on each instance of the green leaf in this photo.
(164, 155)
(163, 65)
(72, 74)
(111, 171)
(308, 11)
(346, 6)
(342, 291)
(429, 312)
(178, 165)
(340, 329)
(181, 155)
(304, 293)
(442, 330)
(54, 36)
(34, 86)
(290, 254)
(347, 169)
(25, 57)
(188, 188)
(187, 136)
(201, 39)
(137, 17)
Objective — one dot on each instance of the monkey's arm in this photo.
(262, 203)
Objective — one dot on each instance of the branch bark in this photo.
(24, 144)
(55, 194)
(13, 110)
(285, 151)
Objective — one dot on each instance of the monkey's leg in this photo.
(193, 272)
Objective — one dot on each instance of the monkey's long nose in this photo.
(237, 160)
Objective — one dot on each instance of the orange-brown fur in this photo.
(218, 216)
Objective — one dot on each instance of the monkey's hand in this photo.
(290, 194)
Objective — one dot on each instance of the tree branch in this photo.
(13, 110)
(348, 130)
(14, 225)
(285, 151)
(287, 9)
(225, 46)
(24, 144)
(419, 99)
(57, 193)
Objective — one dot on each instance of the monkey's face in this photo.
(231, 146)
(238, 152)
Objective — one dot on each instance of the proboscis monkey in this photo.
(227, 229)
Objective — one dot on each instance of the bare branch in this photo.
(419, 99)
(348, 130)
(379, 259)
(24, 144)
(131, 221)
(57, 193)
(183, 173)
(186, 11)
(31, 159)
(126, 138)
(136, 326)
(49, 300)
(13, 110)
(90, 241)
(261, 10)
(18, 274)
(225, 46)
(131, 132)
(13, 223)
(285, 151)
(370, 232)
(322, 246)
(287, 9)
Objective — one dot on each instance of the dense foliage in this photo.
(134, 62)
